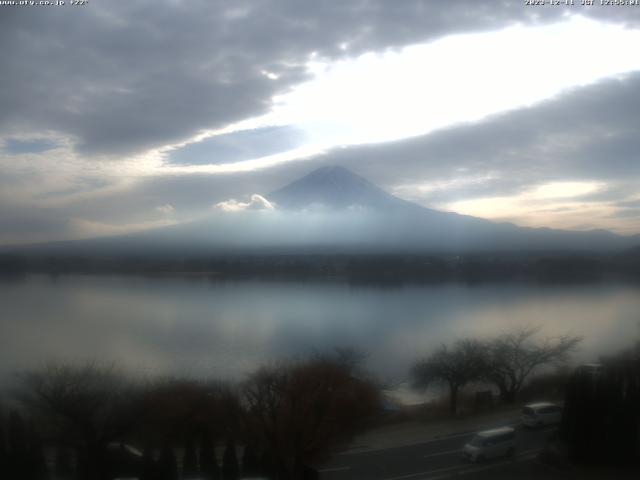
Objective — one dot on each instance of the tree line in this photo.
(280, 422)
(284, 419)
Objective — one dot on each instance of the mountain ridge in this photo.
(354, 215)
(314, 188)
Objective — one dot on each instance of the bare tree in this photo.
(89, 406)
(453, 367)
(299, 411)
(513, 357)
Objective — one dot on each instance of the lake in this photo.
(203, 328)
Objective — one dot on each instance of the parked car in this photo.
(499, 442)
(541, 414)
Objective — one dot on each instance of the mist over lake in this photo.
(201, 328)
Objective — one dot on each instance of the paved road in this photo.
(435, 459)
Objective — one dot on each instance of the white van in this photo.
(541, 414)
(499, 442)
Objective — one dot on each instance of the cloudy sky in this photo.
(121, 116)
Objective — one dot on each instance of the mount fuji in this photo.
(413, 226)
(333, 209)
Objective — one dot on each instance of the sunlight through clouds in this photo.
(385, 96)
(498, 111)
(553, 190)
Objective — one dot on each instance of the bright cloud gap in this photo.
(380, 97)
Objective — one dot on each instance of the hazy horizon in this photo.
(332, 210)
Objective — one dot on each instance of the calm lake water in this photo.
(201, 328)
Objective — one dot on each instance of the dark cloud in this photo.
(576, 137)
(125, 76)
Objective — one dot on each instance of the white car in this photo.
(541, 414)
(499, 442)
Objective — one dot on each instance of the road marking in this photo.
(367, 449)
(448, 452)
(483, 468)
(527, 452)
(462, 470)
(468, 433)
(419, 474)
(334, 469)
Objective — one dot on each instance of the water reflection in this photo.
(195, 327)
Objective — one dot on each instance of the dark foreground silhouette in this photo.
(82, 421)
(76, 422)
